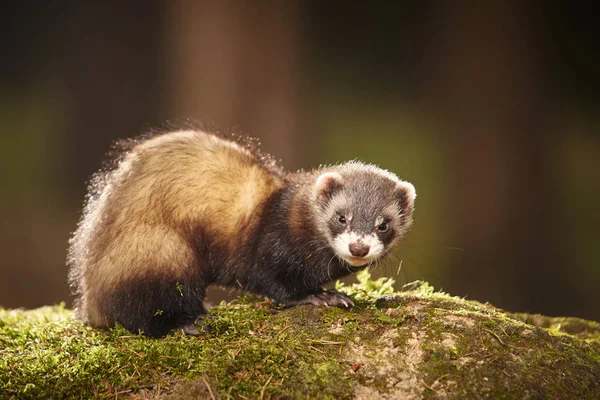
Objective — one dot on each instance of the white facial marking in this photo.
(338, 202)
(342, 242)
(375, 245)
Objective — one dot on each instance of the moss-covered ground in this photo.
(414, 344)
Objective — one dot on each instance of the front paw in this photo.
(325, 298)
(190, 329)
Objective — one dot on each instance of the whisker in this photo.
(328, 269)
(377, 265)
(393, 257)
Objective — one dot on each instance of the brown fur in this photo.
(146, 203)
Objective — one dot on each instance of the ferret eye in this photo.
(383, 227)
(342, 220)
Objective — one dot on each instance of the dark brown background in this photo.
(489, 108)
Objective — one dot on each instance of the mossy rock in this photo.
(413, 344)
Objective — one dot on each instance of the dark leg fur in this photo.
(155, 307)
(289, 296)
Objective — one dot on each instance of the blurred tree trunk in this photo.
(501, 147)
(236, 65)
(86, 88)
(106, 58)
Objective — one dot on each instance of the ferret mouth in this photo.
(357, 261)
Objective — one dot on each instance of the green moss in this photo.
(417, 343)
(580, 328)
(367, 289)
(244, 344)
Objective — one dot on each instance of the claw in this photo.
(190, 330)
(326, 298)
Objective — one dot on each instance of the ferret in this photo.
(182, 210)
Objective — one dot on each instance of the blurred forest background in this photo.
(491, 108)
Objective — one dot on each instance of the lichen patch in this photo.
(453, 320)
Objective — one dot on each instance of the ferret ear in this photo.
(406, 194)
(326, 185)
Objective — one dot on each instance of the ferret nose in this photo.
(359, 249)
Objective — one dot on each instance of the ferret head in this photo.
(362, 210)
